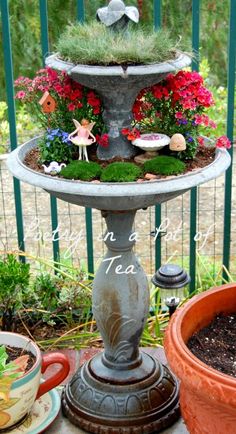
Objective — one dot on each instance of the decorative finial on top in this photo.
(117, 16)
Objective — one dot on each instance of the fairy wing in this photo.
(76, 123)
(90, 126)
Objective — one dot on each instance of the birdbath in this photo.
(122, 390)
(150, 143)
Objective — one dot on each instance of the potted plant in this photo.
(207, 396)
(19, 381)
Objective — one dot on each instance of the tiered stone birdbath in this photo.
(122, 390)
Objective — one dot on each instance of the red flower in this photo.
(200, 141)
(223, 142)
(71, 107)
(132, 134)
(103, 140)
(125, 131)
(94, 102)
(76, 94)
(52, 74)
(96, 111)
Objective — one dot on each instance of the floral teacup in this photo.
(26, 389)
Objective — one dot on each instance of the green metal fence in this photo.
(188, 209)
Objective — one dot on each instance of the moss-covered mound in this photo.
(164, 165)
(94, 44)
(121, 172)
(81, 170)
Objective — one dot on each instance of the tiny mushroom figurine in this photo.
(54, 168)
(83, 137)
(48, 103)
(177, 143)
(117, 16)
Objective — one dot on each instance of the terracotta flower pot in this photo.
(207, 397)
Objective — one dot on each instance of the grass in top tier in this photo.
(81, 170)
(94, 44)
(121, 172)
(164, 165)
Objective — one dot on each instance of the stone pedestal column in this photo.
(122, 390)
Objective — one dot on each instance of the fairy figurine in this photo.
(83, 137)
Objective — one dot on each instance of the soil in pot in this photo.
(14, 352)
(215, 344)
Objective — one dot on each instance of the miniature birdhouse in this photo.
(177, 143)
(48, 103)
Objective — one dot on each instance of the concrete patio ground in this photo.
(62, 426)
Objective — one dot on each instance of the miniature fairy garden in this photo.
(173, 109)
(165, 137)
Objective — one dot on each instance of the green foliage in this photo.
(46, 292)
(219, 111)
(55, 147)
(26, 126)
(7, 369)
(81, 170)
(164, 165)
(121, 172)
(94, 44)
(14, 280)
(192, 145)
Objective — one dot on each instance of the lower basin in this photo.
(115, 196)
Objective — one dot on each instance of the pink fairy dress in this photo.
(82, 137)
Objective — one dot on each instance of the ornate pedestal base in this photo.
(121, 391)
(141, 400)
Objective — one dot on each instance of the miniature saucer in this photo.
(43, 413)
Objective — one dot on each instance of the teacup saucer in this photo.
(43, 413)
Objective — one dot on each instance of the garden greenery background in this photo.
(27, 58)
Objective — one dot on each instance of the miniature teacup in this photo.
(25, 390)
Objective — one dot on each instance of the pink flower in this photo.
(178, 115)
(20, 95)
(212, 124)
(223, 142)
(203, 120)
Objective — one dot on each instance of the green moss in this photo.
(164, 165)
(81, 170)
(94, 44)
(121, 172)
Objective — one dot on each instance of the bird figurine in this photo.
(54, 168)
(117, 16)
(83, 137)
